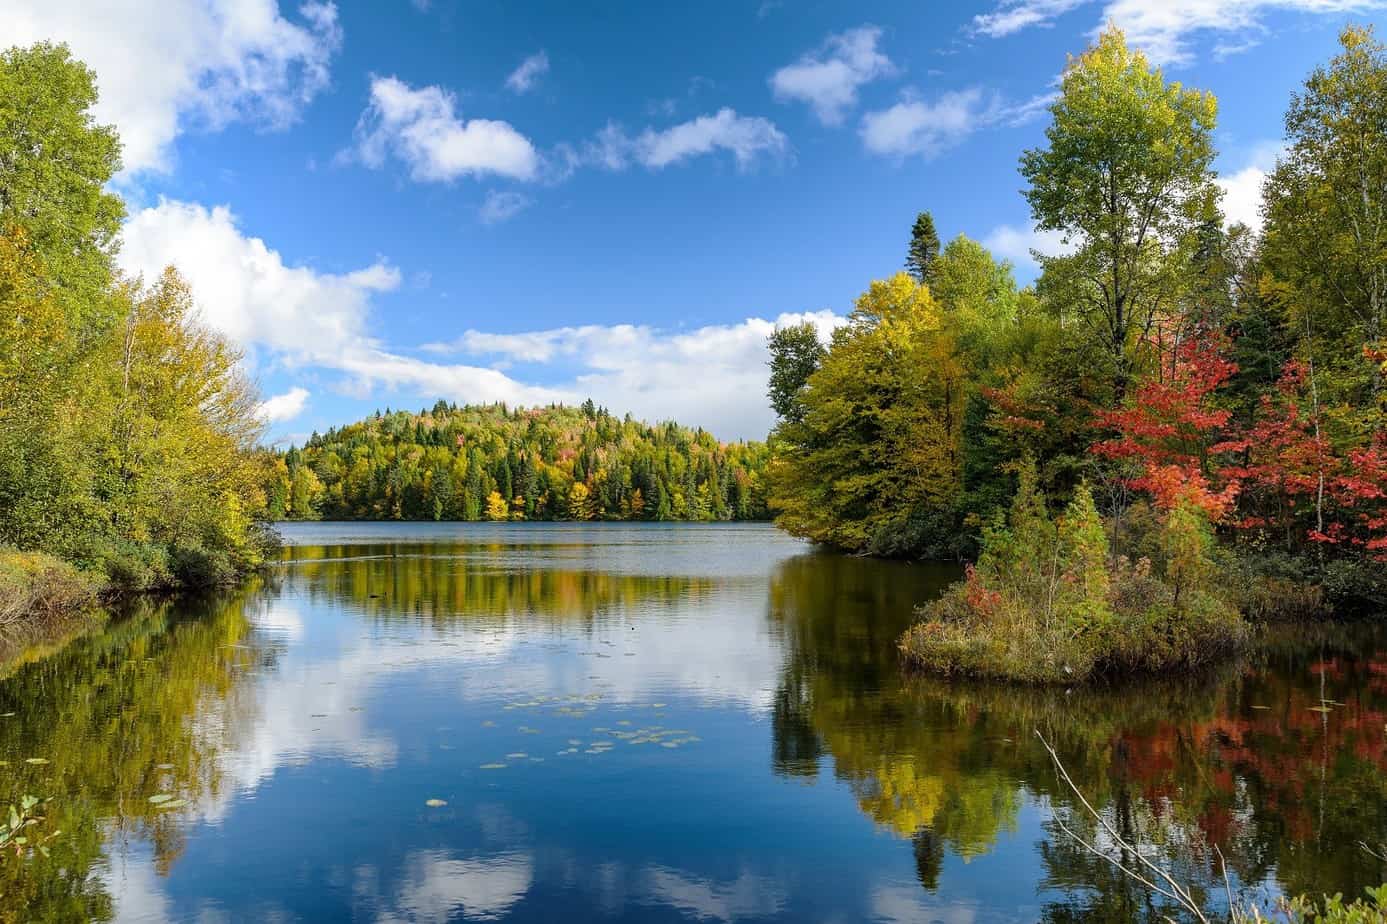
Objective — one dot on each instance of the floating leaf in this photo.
(176, 803)
(160, 798)
(435, 803)
(492, 767)
(163, 766)
(36, 760)
(517, 755)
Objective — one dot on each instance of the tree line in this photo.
(128, 433)
(491, 462)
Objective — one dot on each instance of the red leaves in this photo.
(1174, 434)
(1340, 491)
(1282, 471)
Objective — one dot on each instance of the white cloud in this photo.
(916, 127)
(1163, 30)
(1016, 244)
(243, 288)
(828, 78)
(1242, 189)
(298, 318)
(164, 67)
(1015, 15)
(647, 371)
(502, 206)
(420, 127)
(297, 315)
(746, 137)
(524, 77)
(279, 408)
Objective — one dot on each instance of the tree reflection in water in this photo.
(1280, 761)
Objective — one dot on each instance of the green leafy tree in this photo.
(795, 353)
(1126, 177)
(55, 163)
(1326, 227)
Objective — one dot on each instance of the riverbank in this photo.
(38, 587)
(35, 585)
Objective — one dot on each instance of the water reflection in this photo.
(645, 724)
(1280, 762)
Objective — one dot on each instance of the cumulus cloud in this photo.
(164, 67)
(1242, 189)
(287, 406)
(295, 318)
(1164, 30)
(527, 75)
(1020, 245)
(916, 127)
(647, 371)
(828, 78)
(296, 315)
(421, 129)
(243, 287)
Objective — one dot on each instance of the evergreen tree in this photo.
(923, 250)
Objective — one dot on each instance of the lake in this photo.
(610, 722)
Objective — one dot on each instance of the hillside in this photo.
(494, 463)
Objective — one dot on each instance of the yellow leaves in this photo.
(496, 507)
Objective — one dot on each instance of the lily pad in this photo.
(435, 803)
(517, 755)
(161, 798)
(492, 767)
(36, 760)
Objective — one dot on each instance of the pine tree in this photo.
(924, 249)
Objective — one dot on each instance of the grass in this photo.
(38, 585)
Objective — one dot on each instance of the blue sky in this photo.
(389, 203)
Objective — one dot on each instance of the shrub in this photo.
(1048, 603)
(198, 567)
(36, 584)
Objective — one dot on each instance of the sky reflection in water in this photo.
(436, 722)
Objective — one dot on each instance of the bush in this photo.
(36, 584)
(197, 567)
(127, 565)
(1047, 602)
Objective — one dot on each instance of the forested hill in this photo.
(495, 463)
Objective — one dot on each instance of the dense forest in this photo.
(128, 433)
(1178, 421)
(496, 463)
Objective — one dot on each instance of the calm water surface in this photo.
(425, 722)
